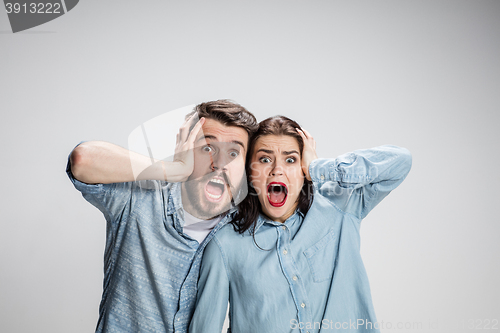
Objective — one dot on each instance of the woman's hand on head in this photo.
(309, 151)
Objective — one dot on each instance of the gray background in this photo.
(424, 75)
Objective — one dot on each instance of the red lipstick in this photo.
(277, 193)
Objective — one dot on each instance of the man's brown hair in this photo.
(228, 113)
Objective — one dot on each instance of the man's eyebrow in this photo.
(239, 143)
(203, 137)
(214, 138)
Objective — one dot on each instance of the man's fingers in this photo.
(194, 132)
(184, 130)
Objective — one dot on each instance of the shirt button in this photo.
(303, 305)
(178, 319)
(294, 278)
(285, 251)
(283, 227)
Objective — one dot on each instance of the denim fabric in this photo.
(306, 274)
(150, 266)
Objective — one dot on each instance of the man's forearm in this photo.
(98, 162)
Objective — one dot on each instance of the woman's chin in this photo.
(277, 214)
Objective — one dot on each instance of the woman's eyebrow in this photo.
(290, 152)
(265, 151)
(283, 153)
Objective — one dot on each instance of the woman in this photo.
(293, 264)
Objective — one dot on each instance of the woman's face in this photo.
(276, 174)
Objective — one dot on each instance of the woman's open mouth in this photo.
(277, 193)
(215, 189)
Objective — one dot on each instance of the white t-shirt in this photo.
(198, 228)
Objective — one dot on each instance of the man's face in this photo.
(219, 170)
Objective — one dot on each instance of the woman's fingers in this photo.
(302, 135)
(309, 151)
(307, 137)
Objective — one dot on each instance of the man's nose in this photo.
(217, 161)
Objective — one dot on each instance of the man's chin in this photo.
(205, 207)
(208, 210)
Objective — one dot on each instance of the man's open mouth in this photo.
(215, 189)
(277, 193)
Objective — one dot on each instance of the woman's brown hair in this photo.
(249, 208)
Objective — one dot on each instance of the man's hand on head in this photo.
(183, 165)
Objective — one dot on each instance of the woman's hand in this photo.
(309, 151)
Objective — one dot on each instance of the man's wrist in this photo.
(164, 171)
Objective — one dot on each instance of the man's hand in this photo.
(308, 152)
(183, 164)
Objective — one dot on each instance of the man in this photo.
(157, 227)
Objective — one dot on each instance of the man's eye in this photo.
(234, 154)
(206, 149)
(265, 160)
(290, 160)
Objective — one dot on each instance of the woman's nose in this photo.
(277, 170)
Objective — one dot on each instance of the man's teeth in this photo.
(214, 196)
(217, 180)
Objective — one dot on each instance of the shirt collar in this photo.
(289, 221)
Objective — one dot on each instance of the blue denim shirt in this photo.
(307, 274)
(150, 266)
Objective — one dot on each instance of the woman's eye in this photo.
(290, 160)
(207, 149)
(234, 154)
(265, 160)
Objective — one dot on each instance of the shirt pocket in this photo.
(321, 257)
